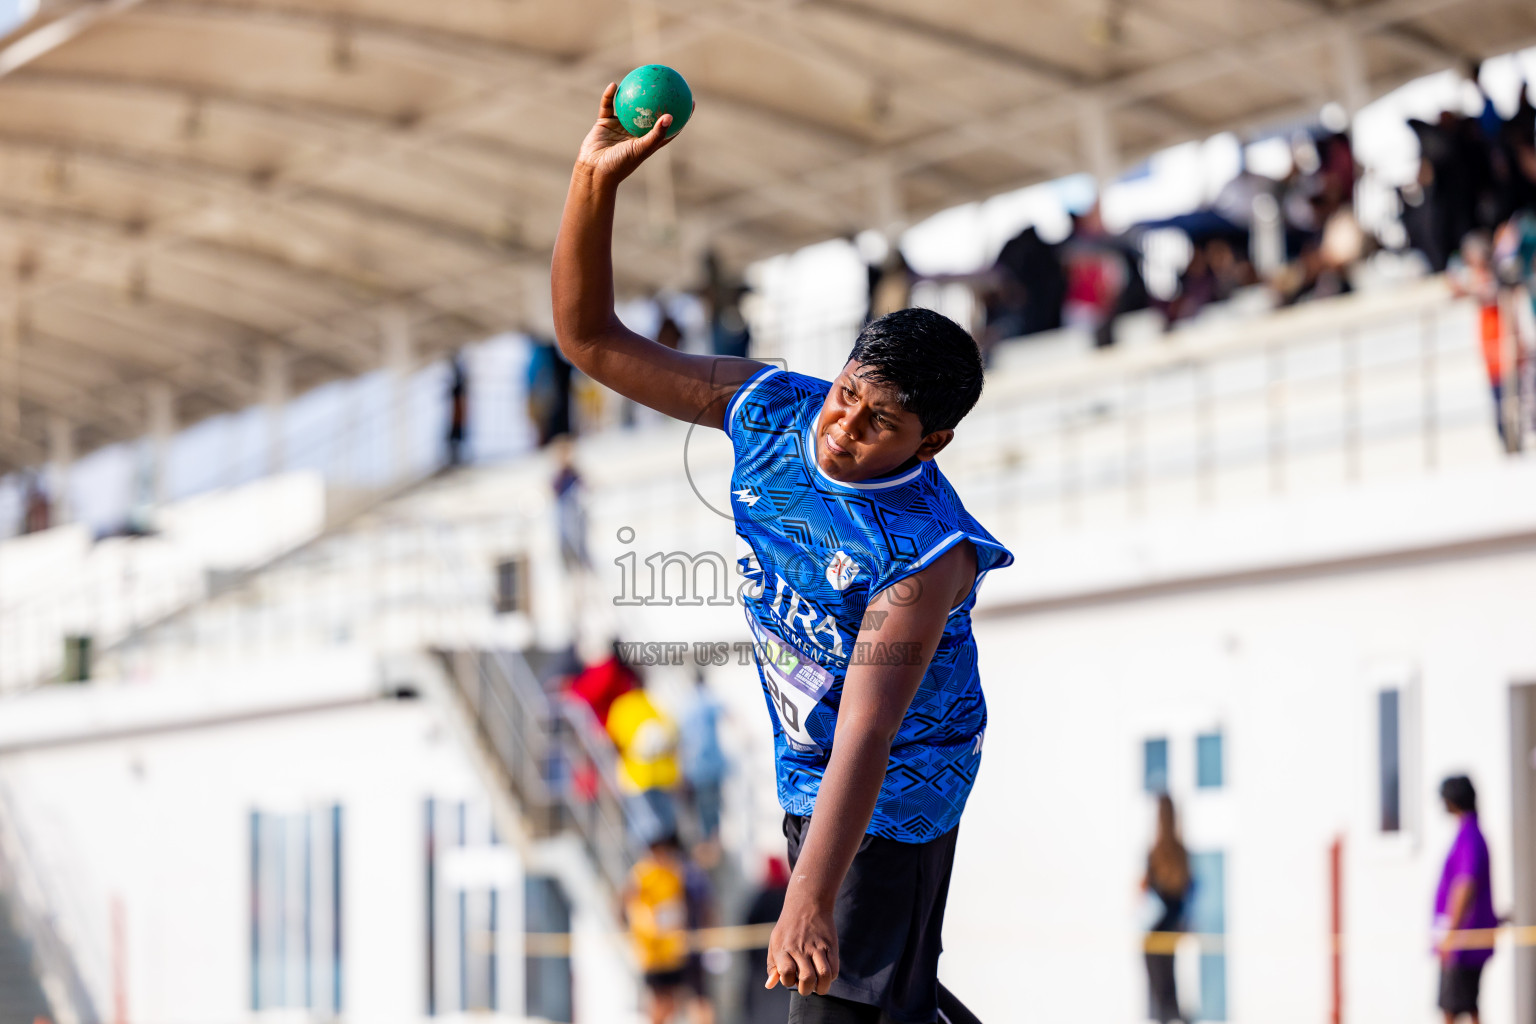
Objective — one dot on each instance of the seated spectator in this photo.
(728, 331)
(890, 284)
(549, 391)
(1322, 270)
(1103, 278)
(1030, 287)
(1213, 275)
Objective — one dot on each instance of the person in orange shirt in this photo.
(656, 911)
(1471, 274)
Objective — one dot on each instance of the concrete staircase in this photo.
(21, 994)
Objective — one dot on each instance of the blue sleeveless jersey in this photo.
(814, 552)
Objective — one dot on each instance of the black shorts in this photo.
(890, 916)
(693, 976)
(1459, 986)
(664, 981)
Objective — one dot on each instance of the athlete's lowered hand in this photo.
(802, 951)
(610, 152)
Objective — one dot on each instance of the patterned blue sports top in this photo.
(814, 552)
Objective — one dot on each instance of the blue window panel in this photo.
(296, 910)
(1208, 917)
(548, 985)
(1154, 773)
(1213, 986)
(1208, 753)
(1389, 759)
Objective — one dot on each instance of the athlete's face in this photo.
(863, 433)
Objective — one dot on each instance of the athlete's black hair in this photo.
(1458, 793)
(927, 359)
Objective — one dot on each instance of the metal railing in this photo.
(146, 583)
(36, 908)
(558, 762)
(1325, 395)
(388, 582)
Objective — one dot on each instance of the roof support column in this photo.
(61, 459)
(660, 195)
(161, 406)
(398, 360)
(886, 205)
(1100, 149)
(10, 371)
(1349, 68)
(274, 400)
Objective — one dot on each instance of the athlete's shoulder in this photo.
(990, 552)
(920, 523)
(769, 399)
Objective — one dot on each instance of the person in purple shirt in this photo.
(1463, 902)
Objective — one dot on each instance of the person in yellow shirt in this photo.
(646, 740)
(656, 911)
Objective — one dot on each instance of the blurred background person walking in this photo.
(1463, 903)
(570, 509)
(458, 408)
(656, 911)
(765, 1005)
(700, 894)
(1168, 879)
(646, 740)
(704, 768)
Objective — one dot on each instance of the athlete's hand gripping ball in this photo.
(610, 152)
(648, 92)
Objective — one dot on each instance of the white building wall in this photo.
(1045, 911)
(158, 826)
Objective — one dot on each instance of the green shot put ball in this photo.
(648, 92)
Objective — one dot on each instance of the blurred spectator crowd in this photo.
(670, 768)
(1470, 212)
(1296, 236)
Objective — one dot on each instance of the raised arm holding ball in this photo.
(862, 567)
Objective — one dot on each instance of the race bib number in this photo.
(795, 682)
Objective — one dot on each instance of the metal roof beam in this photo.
(189, 361)
(393, 143)
(1243, 55)
(46, 38)
(116, 238)
(454, 52)
(20, 451)
(223, 182)
(1417, 41)
(1059, 75)
(318, 121)
(81, 403)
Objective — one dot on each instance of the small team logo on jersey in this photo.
(841, 571)
(746, 497)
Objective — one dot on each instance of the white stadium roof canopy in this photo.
(193, 191)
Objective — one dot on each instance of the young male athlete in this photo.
(862, 567)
